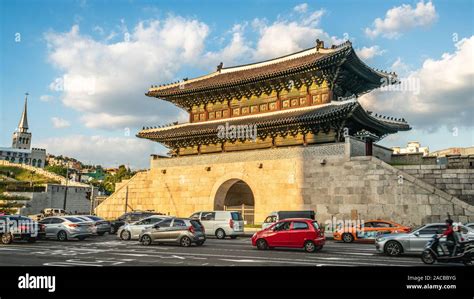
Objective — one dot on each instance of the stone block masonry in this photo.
(458, 182)
(321, 178)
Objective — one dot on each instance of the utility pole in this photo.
(92, 200)
(126, 199)
(65, 191)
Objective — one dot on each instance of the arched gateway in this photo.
(235, 195)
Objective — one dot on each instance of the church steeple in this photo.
(23, 125)
(21, 136)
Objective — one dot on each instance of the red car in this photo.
(293, 233)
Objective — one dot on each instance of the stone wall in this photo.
(322, 178)
(77, 199)
(412, 159)
(457, 182)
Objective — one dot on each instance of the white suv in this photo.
(221, 223)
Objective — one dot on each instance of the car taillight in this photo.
(191, 229)
(72, 225)
(231, 223)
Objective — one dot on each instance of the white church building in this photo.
(21, 152)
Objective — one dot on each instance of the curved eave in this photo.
(313, 114)
(382, 126)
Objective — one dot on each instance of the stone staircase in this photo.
(114, 205)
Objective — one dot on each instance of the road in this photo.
(110, 251)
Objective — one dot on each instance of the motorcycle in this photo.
(435, 251)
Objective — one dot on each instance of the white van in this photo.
(221, 223)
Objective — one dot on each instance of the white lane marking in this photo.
(273, 259)
(240, 261)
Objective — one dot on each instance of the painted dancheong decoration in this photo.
(308, 97)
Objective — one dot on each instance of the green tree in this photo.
(60, 170)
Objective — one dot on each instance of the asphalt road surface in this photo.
(110, 251)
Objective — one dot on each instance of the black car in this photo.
(128, 218)
(16, 227)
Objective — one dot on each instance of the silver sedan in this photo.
(131, 231)
(67, 227)
(414, 242)
(99, 225)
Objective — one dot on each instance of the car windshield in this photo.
(94, 218)
(72, 219)
(418, 228)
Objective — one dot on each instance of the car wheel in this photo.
(31, 240)
(62, 236)
(220, 233)
(393, 248)
(82, 238)
(101, 233)
(113, 230)
(347, 238)
(7, 239)
(309, 246)
(199, 243)
(428, 257)
(146, 240)
(185, 241)
(233, 237)
(125, 235)
(262, 244)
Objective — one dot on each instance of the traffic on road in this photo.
(219, 238)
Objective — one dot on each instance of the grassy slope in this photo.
(24, 175)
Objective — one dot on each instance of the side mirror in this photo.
(417, 234)
(156, 226)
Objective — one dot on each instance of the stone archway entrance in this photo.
(236, 195)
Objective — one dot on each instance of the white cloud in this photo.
(445, 96)
(403, 18)
(46, 98)
(301, 8)
(367, 53)
(107, 151)
(107, 81)
(288, 36)
(60, 123)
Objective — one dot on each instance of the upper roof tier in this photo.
(339, 66)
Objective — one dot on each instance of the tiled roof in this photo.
(312, 114)
(282, 66)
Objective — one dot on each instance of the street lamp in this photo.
(65, 191)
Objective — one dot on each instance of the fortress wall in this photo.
(321, 177)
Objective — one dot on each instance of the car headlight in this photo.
(380, 239)
(254, 234)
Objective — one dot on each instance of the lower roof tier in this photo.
(346, 117)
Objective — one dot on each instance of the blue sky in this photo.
(120, 48)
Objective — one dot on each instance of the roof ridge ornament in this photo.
(220, 66)
(319, 44)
